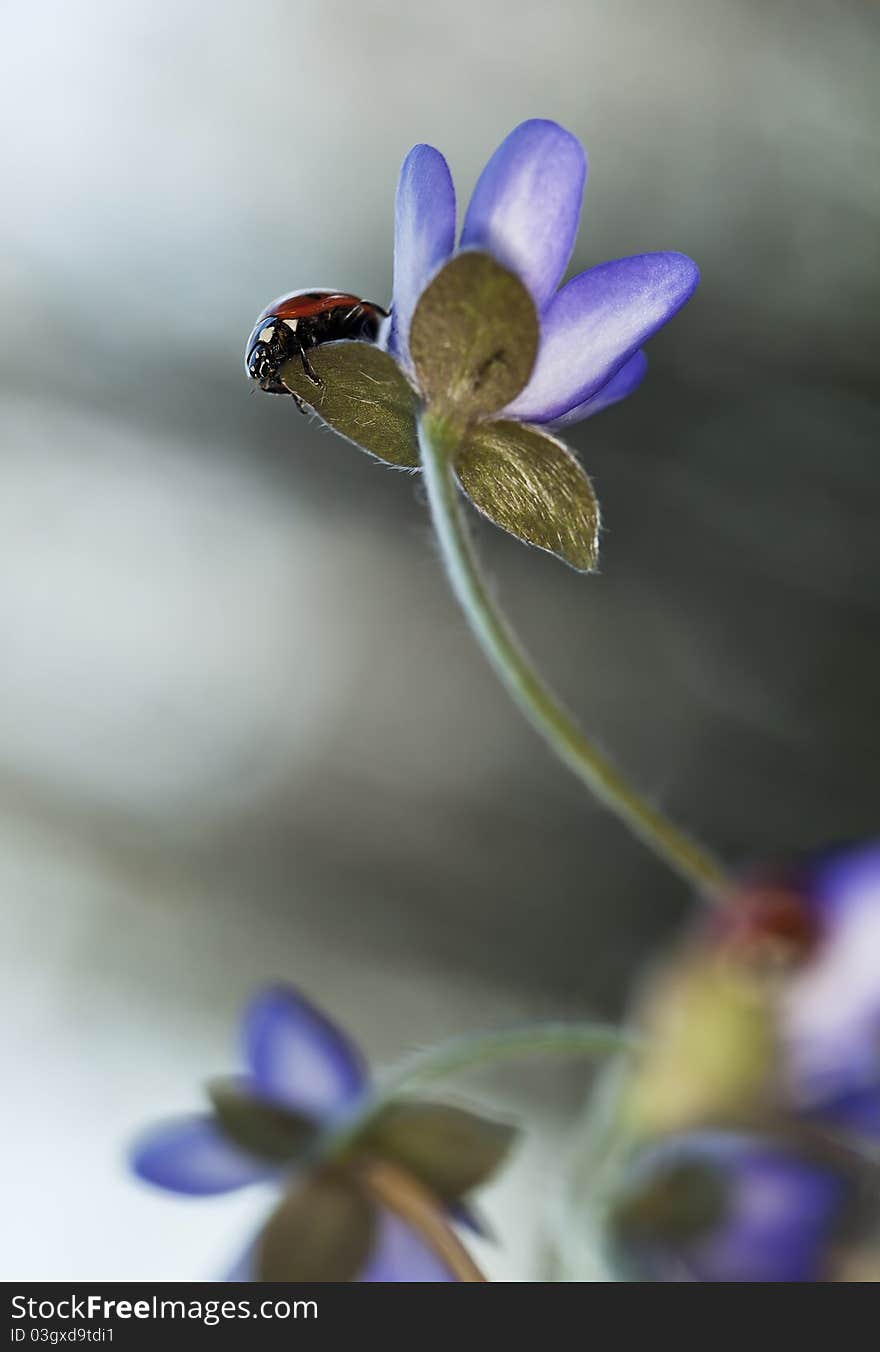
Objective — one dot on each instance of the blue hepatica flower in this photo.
(819, 921)
(483, 352)
(525, 212)
(831, 1007)
(721, 1206)
(365, 1195)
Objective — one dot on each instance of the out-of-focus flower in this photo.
(752, 1115)
(774, 1007)
(524, 212)
(367, 1195)
(819, 921)
(722, 1206)
(487, 347)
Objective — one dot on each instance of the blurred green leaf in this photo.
(446, 1148)
(474, 337)
(260, 1128)
(363, 395)
(531, 485)
(322, 1232)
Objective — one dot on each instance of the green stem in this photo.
(481, 1049)
(438, 443)
(508, 1044)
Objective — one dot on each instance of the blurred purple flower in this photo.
(279, 1122)
(720, 1206)
(297, 1060)
(818, 920)
(831, 1007)
(525, 211)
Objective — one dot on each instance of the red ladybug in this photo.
(293, 324)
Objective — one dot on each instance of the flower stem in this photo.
(471, 1050)
(438, 442)
(507, 1044)
(405, 1196)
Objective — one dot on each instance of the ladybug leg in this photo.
(309, 368)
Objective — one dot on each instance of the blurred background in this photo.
(243, 733)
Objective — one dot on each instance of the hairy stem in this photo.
(438, 443)
(473, 1050)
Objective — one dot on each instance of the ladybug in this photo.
(293, 324)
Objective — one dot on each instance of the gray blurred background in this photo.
(243, 733)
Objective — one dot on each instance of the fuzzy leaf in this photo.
(474, 337)
(364, 396)
(260, 1128)
(321, 1232)
(531, 485)
(446, 1148)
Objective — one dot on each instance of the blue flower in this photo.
(376, 1187)
(525, 212)
(722, 1206)
(482, 351)
(756, 1111)
(831, 1007)
(816, 923)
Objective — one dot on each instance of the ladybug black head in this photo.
(272, 343)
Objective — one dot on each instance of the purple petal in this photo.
(774, 1222)
(856, 1108)
(401, 1255)
(527, 203)
(595, 324)
(627, 379)
(298, 1057)
(847, 878)
(781, 1223)
(424, 237)
(193, 1157)
(832, 1007)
